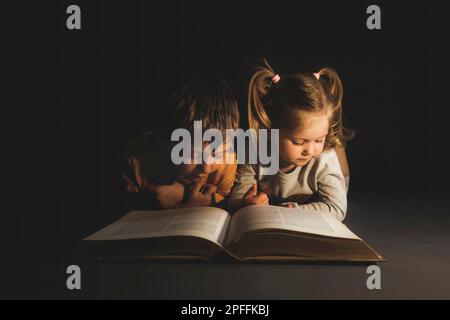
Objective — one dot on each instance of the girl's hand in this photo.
(201, 194)
(252, 197)
(289, 204)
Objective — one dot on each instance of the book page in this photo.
(204, 222)
(255, 218)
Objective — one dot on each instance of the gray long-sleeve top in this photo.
(318, 185)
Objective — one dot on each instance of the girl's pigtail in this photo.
(258, 92)
(334, 89)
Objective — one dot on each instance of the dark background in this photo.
(76, 97)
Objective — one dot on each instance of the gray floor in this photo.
(412, 233)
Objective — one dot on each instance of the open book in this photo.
(251, 233)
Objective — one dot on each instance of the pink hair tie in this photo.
(317, 75)
(276, 78)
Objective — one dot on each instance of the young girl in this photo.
(307, 110)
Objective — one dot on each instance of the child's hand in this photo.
(201, 194)
(169, 196)
(289, 204)
(252, 197)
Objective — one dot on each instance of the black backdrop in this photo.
(78, 96)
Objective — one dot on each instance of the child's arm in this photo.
(331, 190)
(244, 190)
(199, 194)
(134, 183)
(209, 194)
(133, 178)
(225, 185)
(343, 163)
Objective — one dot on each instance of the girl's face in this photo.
(299, 145)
